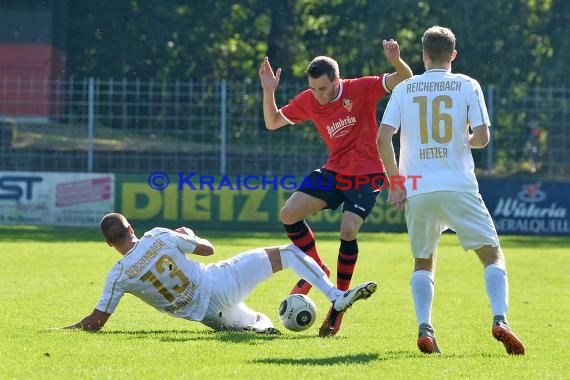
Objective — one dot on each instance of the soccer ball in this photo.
(297, 312)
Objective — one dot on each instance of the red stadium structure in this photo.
(32, 58)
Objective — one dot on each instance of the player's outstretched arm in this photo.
(403, 71)
(93, 322)
(203, 246)
(269, 82)
(269, 79)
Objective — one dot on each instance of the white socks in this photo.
(496, 283)
(422, 285)
(306, 268)
(497, 286)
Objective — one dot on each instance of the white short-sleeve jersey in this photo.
(433, 112)
(157, 271)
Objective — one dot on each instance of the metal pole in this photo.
(90, 123)
(223, 126)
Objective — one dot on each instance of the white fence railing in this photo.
(216, 127)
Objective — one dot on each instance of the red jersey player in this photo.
(344, 112)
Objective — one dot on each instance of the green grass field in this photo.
(51, 277)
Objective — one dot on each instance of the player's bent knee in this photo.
(348, 233)
(490, 255)
(286, 217)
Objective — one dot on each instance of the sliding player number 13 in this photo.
(161, 265)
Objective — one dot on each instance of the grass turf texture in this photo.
(51, 277)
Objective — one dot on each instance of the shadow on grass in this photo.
(237, 337)
(360, 358)
(356, 358)
(192, 335)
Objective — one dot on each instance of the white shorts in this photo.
(429, 214)
(232, 281)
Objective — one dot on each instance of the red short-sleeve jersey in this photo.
(347, 124)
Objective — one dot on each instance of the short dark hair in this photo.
(114, 227)
(323, 65)
(439, 43)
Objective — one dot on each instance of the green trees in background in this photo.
(516, 42)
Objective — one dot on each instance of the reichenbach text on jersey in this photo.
(149, 255)
(444, 85)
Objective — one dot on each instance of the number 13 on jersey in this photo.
(164, 263)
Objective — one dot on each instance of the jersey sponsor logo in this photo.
(347, 103)
(341, 127)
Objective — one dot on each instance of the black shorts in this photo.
(358, 193)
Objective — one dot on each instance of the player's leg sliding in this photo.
(303, 286)
(293, 258)
(360, 292)
(263, 325)
(302, 236)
